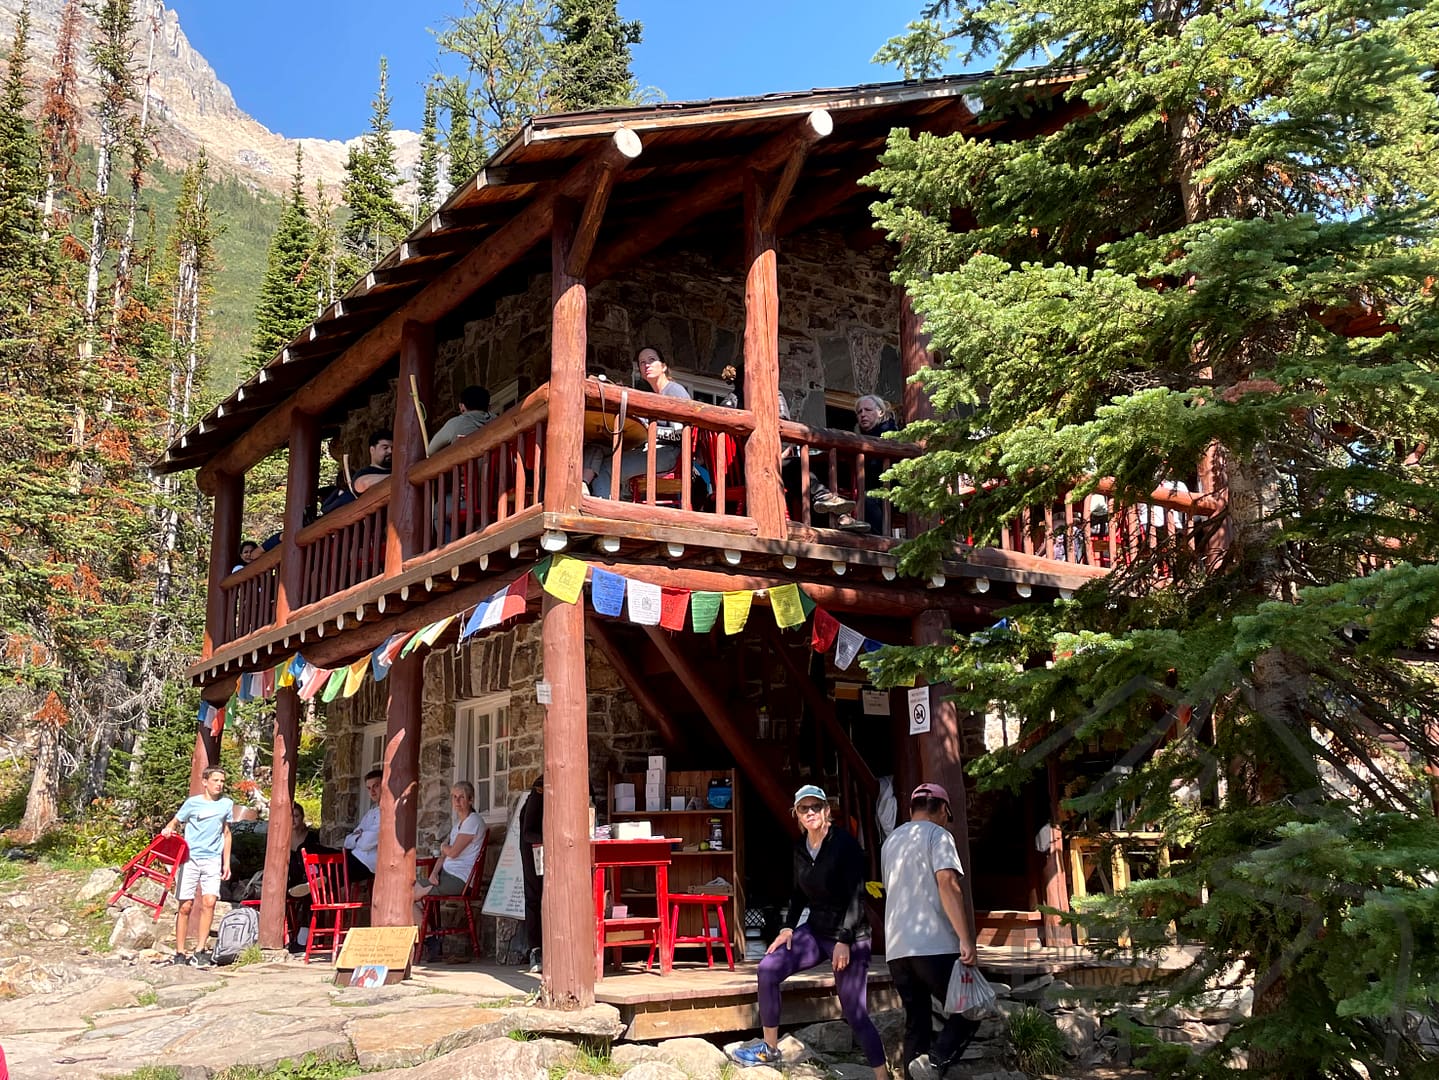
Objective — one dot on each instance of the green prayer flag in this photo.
(335, 685)
(704, 609)
(807, 604)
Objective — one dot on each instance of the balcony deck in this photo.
(485, 517)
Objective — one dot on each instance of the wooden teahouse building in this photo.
(719, 232)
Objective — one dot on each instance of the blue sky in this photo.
(309, 67)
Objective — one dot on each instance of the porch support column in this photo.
(304, 469)
(764, 490)
(914, 357)
(207, 753)
(277, 839)
(941, 753)
(393, 899)
(224, 550)
(393, 902)
(405, 531)
(568, 908)
(1055, 875)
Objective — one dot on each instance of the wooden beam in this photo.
(224, 548)
(764, 488)
(634, 682)
(568, 907)
(779, 194)
(747, 757)
(393, 899)
(598, 198)
(709, 195)
(376, 348)
(406, 521)
(282, 802)
(569, 324)
(941, 750)
(302, 472)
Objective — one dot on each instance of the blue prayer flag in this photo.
(607, 591)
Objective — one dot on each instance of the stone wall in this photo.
(620, 735)
(839, 330)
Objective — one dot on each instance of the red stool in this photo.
(708, 938)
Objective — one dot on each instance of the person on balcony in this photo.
(381, 448)
(249, 552)
(874, 418)
(474, 414)
(822, 501)
(634, 462)
(829, 872)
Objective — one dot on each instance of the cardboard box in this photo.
(654, 776)
(654, 805)
(657, 761)
(655, 791)
(633, 830)
(677, 802)
(624, 791)
(624, 804)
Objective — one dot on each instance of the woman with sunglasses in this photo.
(829, 870)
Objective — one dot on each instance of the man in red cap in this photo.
(925, 930)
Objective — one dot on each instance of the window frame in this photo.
(495, 809)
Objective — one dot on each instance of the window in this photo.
(705, 388)
(505, 397)
(482, 750)
(372, 748)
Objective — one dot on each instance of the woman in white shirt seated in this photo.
(457, 857)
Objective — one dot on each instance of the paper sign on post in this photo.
(542, 693)
(506, 895)
(919, 707)
(876, 702)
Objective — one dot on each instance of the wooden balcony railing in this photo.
(250, 598)
(344, 547)
(847, 464)
(486, 478)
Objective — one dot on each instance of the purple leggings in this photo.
(852, 984)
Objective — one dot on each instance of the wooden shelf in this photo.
(667, 813)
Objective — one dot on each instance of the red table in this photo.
(613, 857)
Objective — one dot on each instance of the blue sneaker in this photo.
(758, 1052)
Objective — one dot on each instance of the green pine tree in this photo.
(20, 181)
(462, 158)
(427, 176)
(507, 77)
(289, 290)
(1221, 266)
(592, 63)
(376, 222)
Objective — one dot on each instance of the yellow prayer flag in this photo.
(736, 610)
(283, 677)
(566, 578)
(355, 675)
(431, 634)
(784, 602)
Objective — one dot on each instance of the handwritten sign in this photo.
(876, 702)
(506, 895)
(386, 946)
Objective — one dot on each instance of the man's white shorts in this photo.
(204, 873)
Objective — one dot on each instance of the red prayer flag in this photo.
(217, 721)
(826, 627)
(267, 683)
(673, 605)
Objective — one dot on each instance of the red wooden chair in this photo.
(159, 862)
(329, 879)
(669, 485)
(430, 922)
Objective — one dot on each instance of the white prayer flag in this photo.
(847, 647)
(644, 603)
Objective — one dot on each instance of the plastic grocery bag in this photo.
(969, 992)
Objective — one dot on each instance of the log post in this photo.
(303, 470)
(393, 900)
(207, 753)
(914, 357)
(277, 839)
(764, 490)
(406, 524)
(941, 751)
(224, 549)
(1055, 874)
(569, 917)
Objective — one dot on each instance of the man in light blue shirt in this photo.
(206, 818)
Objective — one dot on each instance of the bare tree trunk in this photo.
(42, 804)
(127, 246)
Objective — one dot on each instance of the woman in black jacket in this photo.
(874, 417)
(829, 869)
(532, 835)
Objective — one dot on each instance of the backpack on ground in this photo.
(238, 930)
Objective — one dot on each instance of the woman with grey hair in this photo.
(451, 871)
(874, 417)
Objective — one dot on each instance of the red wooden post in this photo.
(1056, 874)
(941, 751)
(277, 839)
(207, 753)
(764, 491)
(393, 899)
(405, 531)
(304, 468)
(569, 916)
(224, 549)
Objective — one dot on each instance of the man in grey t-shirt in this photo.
(925, 930)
